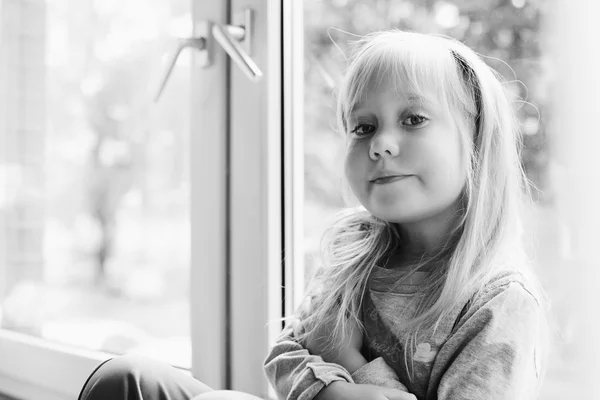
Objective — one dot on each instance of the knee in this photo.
(117, 376)
(225, 395)
(127, 365)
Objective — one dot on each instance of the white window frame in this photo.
(293, 151)
(236, 221)
(255, 193)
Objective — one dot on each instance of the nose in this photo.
(384, 144)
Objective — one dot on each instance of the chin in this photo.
(397, 216)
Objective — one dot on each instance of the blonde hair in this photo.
(488, 238)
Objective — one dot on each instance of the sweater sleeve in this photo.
(295, 374)
(494, 351)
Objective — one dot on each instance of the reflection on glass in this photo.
(95, 181)
(509, 34)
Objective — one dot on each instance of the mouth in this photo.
(388, 179)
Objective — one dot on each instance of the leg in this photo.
(138, 378)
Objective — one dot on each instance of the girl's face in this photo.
(404, 160)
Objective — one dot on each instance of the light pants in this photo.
(136, 378)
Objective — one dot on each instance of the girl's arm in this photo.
(376, 372)
(495, 351)
(295, 373)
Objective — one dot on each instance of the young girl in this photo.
(425, 290)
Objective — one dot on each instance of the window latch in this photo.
(229, 38)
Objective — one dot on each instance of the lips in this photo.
(388, 179)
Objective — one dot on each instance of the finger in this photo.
(402, 396)
(395, 394)
(225, 395)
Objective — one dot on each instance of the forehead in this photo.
(412, 84)
(410, 64)
(396, 97)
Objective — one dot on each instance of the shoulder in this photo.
(498, 345)
(511, 284)
(508, 295)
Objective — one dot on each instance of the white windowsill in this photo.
(33, 368)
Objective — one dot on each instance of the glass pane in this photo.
(506, 32)
(94, 209)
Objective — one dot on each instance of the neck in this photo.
(427, 237)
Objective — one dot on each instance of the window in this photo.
(96, 211)
(183, 229)
(124, 221)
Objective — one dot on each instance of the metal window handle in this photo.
(236, 52)
(228, 36)
(198, 43)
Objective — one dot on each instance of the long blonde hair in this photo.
(489, 236)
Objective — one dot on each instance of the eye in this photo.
(363, 129)
(414, 120)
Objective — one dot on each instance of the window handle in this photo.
(198, 43)
(229, 37)
(232, 47)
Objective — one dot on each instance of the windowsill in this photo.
(30, 367)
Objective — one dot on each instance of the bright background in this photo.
(94, 176)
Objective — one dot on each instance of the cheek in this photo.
(452, 168)
(354, 164)
(446, 169)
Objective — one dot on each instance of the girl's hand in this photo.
(345, 354)
(349, 391)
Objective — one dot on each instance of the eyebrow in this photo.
(416, 97)
(411, 97)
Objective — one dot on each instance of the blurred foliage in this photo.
(117, 159)
(506, 33)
